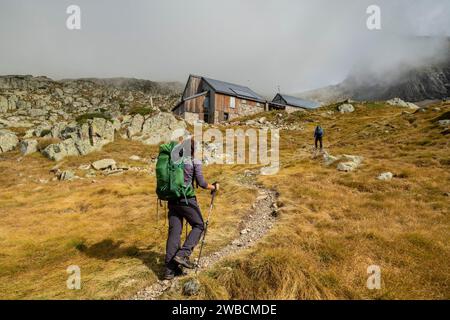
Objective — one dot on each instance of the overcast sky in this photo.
(297, 45)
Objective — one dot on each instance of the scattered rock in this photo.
(349, 163)
(262, 197)
(244, 231)
(8, 140)
(66, 175)
(59, 151)
(346, 108)
(3, 104)
(28, 146)
(37, 112)
(385, 176)
(104, 164)
(55, 168)
(84, 167)
(237, 243)
(400, 103)
(444, 123)
(110, 172)
(135, 158)
(191, 287)
(328, 159)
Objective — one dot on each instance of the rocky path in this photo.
(256, 225)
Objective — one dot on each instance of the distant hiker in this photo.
(318, 134)
(176, 171)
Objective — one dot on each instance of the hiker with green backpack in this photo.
(176, 172)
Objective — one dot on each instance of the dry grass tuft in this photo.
(331, 227)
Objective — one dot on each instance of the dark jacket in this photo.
(318, 133)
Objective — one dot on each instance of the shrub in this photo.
(45, 132)
(142, 110)
(89, 116)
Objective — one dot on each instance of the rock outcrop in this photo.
(28, 146)
(344, 162)
(162, 127)
(349, 162)
(346, 108)
(8, 140)
(80, 139)
(104, 164)
(400, 103)
(428, 80)
(385, 176)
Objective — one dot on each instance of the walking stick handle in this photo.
(213, 192)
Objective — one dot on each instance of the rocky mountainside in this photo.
(429, 81)
(132, 84)
(77, 117)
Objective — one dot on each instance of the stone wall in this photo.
(249, 109)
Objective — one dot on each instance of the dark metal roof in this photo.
(297, 102)
(233, 89)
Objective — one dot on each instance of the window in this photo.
(258, 104)
(205, 117)
(232, 102)
(243, 101)
(226, 116)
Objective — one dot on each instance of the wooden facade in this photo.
(228, 107)
(210, 101)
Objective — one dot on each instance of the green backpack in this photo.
(170, 176)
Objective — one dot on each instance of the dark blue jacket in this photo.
(318, 133)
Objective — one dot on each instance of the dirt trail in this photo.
(256, 225)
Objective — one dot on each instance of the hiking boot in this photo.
(172, 273)
(184, 262)
(179, 272)
(169, 274)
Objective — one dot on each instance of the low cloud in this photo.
(291, 44)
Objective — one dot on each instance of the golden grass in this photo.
(108, 228)
(334, 225)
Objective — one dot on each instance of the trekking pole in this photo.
(213, 194)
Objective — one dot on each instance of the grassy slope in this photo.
(108, 228)
(332, 224)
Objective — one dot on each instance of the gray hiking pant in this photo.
(178, 211)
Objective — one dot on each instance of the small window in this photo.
(232, 102)
(205, 117)
(243, 101)
(226, 116)
(258, 104)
